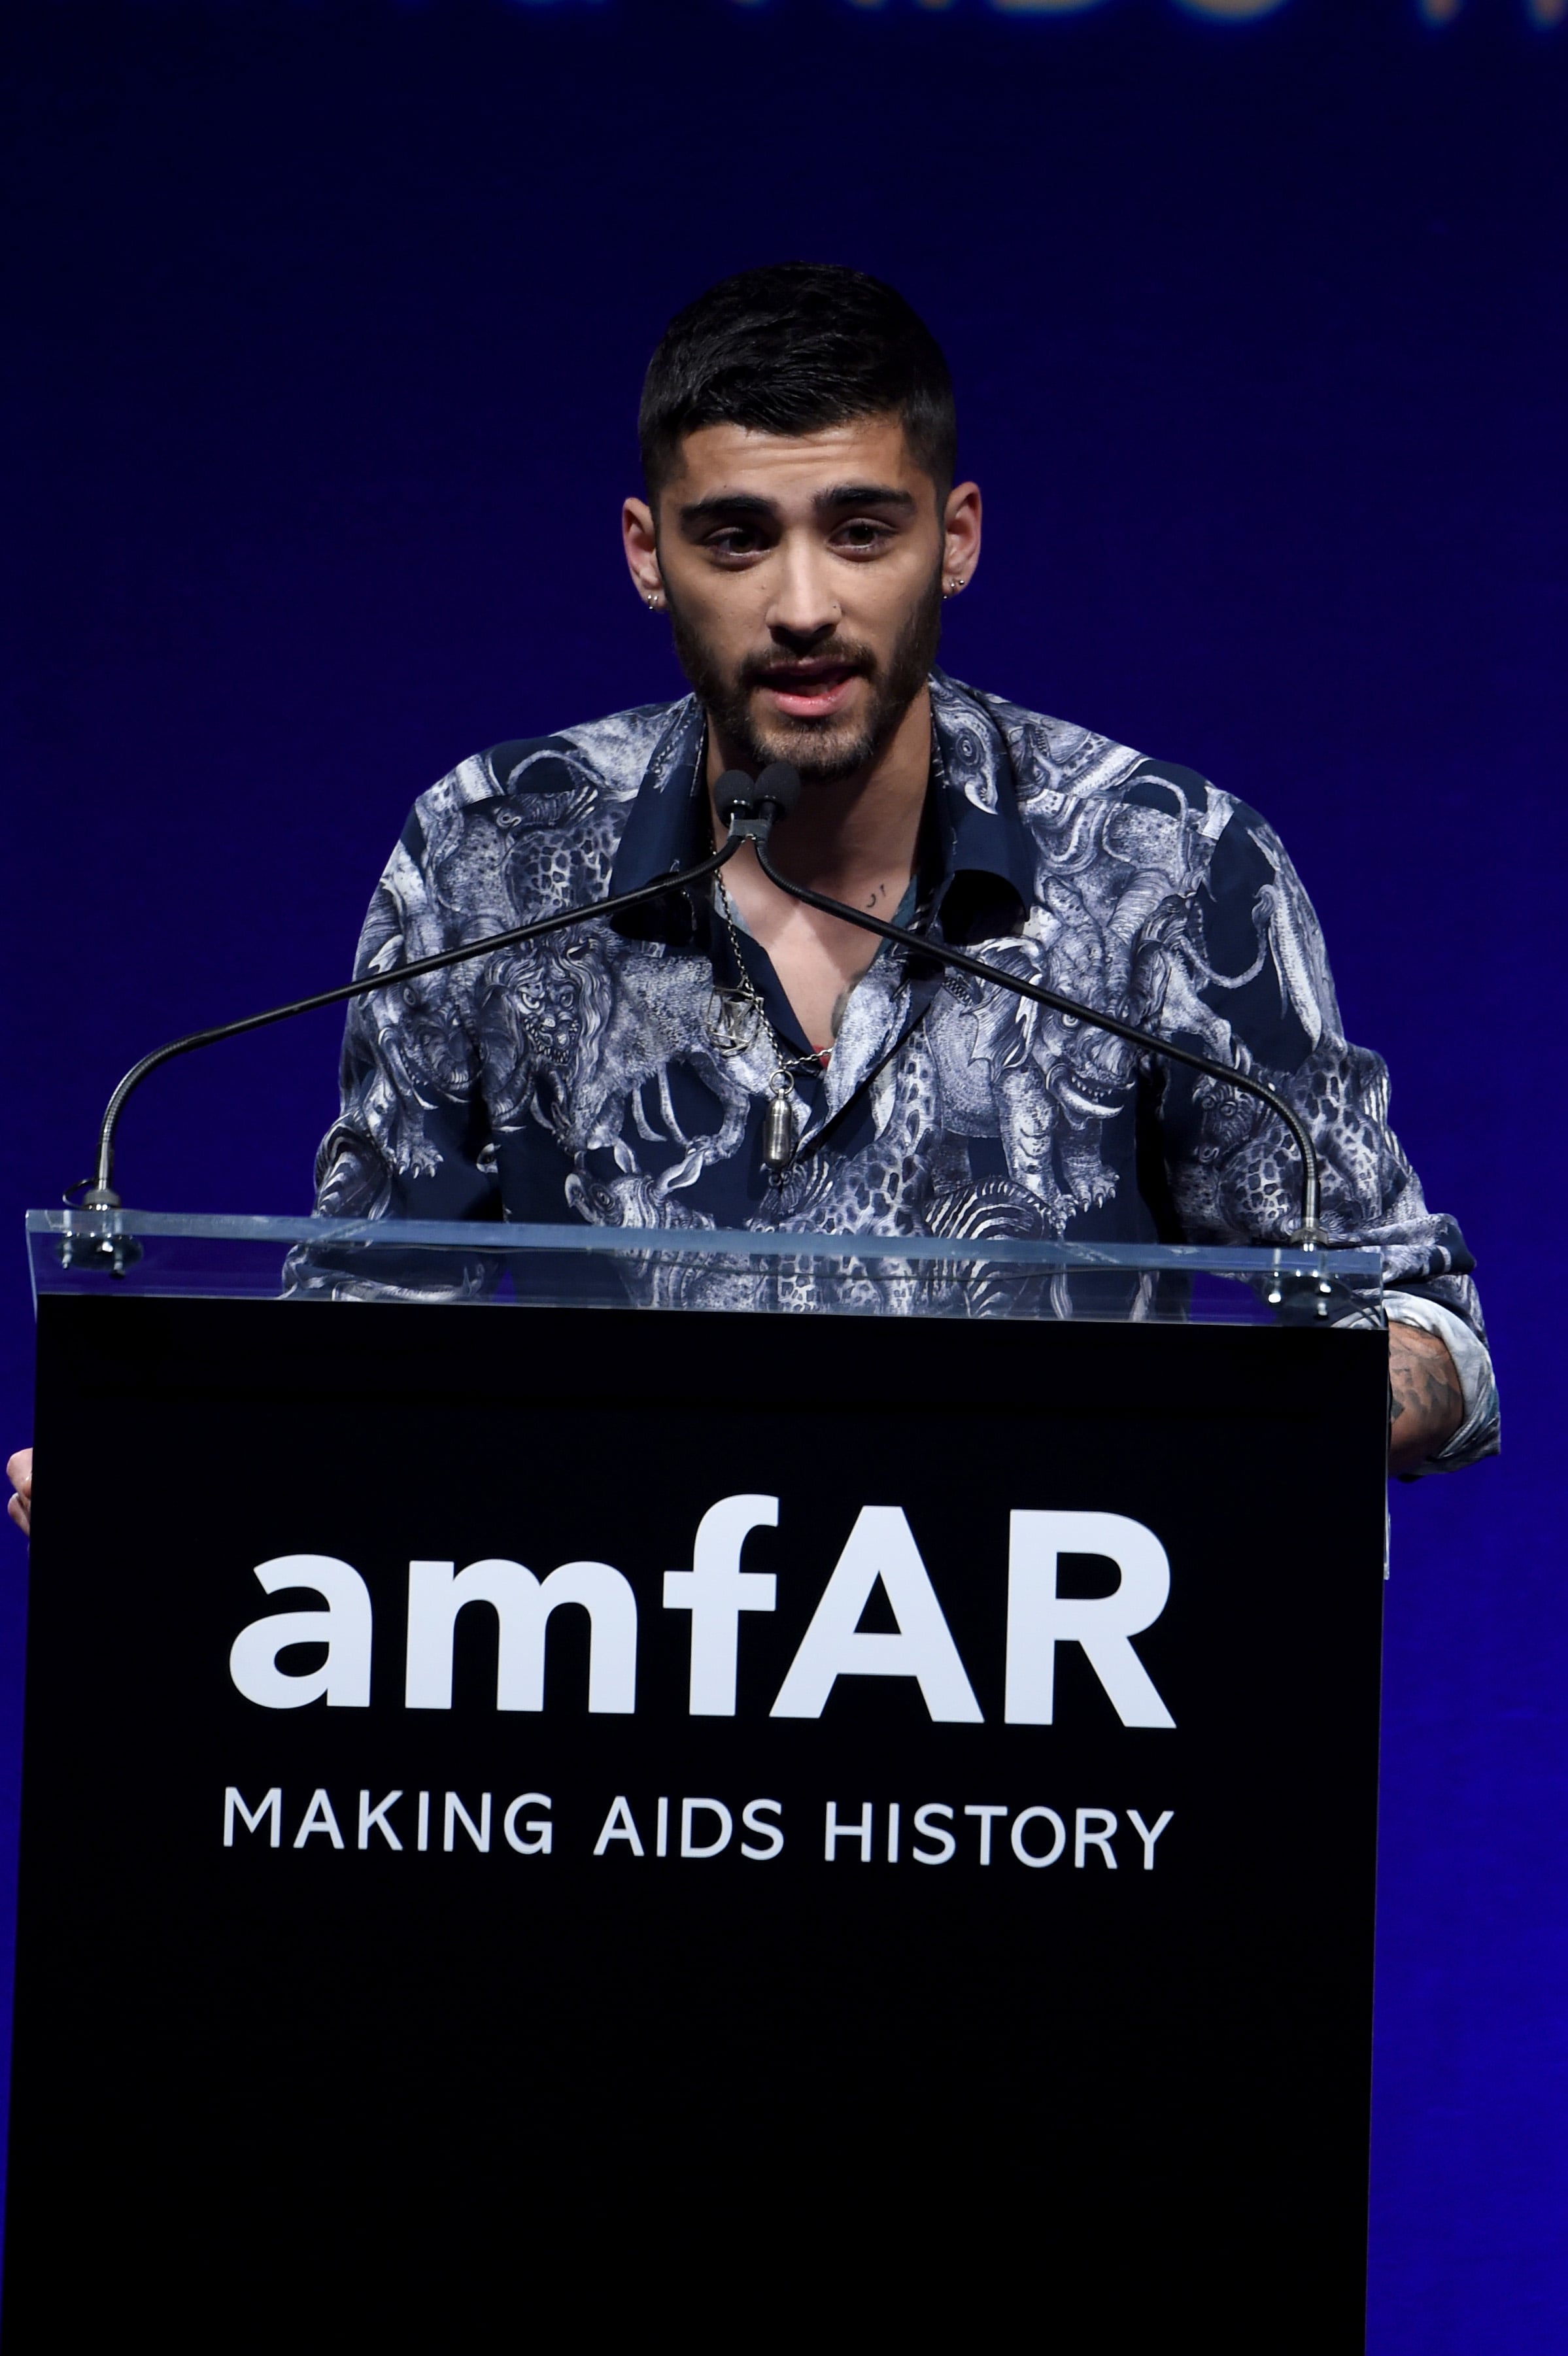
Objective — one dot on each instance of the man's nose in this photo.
(804, 606)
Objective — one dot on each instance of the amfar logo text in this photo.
(717, 1593)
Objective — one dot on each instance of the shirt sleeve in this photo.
(412, 1138)
(1248, 981)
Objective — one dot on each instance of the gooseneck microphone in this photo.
(749, 811)
(734, 796)
(775, 795)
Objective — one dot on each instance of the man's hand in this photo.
(1426, 1406)
(19, 1471)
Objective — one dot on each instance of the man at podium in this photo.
(730, 1058)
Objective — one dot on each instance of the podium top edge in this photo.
(519, 1241)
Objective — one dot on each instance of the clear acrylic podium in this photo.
(790, 1778)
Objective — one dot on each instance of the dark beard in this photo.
(824, 751)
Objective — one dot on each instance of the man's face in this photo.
(803, 575)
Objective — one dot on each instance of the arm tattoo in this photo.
(1425, 1394)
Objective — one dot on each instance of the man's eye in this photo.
(736, 540)
(862, 534)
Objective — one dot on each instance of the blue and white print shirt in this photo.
(595, 1076)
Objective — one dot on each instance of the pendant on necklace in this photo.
(778, 1133)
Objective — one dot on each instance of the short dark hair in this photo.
(790, 349)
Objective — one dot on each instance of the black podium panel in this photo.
(901, 1976)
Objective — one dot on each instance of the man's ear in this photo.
(642, 552)
(961, 529)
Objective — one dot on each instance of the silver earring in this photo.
(654, 601)
(955, 583)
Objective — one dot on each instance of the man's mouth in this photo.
(808, 690)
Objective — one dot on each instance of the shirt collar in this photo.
(667, 829)
(983, 866)
(986, 862)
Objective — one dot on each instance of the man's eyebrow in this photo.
(728, 503)
(751, 507)
(866, 494)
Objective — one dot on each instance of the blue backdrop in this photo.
(326, 326)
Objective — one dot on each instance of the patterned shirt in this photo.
(616, 1074)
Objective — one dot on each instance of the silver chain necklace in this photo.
(778, 1137)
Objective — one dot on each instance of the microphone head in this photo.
(735, 791)
(780, 785)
